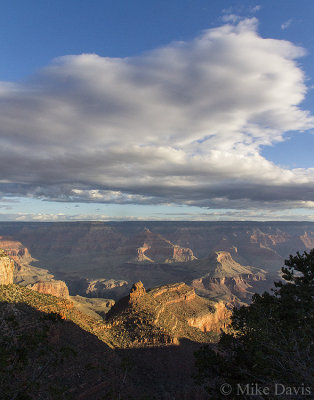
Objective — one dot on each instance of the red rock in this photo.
(54, 287)
(137, 291)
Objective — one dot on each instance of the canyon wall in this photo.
(54, 287)
(6, 269)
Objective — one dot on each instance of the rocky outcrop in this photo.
(164, 315)
(308, 239)
(94, 307)
(173, 293)
(15, 250)
(137, 291)
(228, 280)
(181, 254)
(269, 239)
(154, 248)
(214, 321)
(6, 269)
(24, 273)
(54, 287)
(106, 288)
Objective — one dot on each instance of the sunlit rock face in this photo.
(214, 321)
(228, 280)
(54, 287)
(6, 269)
(165, 315)
(15, 250)
(137, 291)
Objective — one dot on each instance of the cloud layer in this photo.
(181, 124)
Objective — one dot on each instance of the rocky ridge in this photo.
(53, 287)
(63, 358)
(104, 287)
(228, 280)
(164, 315)
(154, 248)
(15, 250)
(6, 269)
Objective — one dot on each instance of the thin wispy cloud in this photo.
(255, 9)
(233, 18)
(182, 124)
(286, 24)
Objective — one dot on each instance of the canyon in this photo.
(230, 281)
(104, 259)
(145, 296)
(165, 315)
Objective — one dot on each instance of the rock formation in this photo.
(228, 280)
(54, 287)
(137, 291)
(24, 273)
(154, 248)
(15, 250)
(105, 288)
(6, 269)
(164, 315)
(71, 352)
(212, 322)
(94, 307)
(163, 253)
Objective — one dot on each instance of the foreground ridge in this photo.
(164, 315)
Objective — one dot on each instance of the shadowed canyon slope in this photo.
(144, 331)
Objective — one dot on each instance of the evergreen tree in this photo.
(269, 343)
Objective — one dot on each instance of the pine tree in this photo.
(268, 342)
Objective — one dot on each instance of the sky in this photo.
(156, 110)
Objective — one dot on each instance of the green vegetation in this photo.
(27, 358)
(3, 253)
(269, 342)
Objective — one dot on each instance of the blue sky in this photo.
(120, 110)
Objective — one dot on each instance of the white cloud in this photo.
(255, 9)
(285, 25)
(233, 18)
(180, 124)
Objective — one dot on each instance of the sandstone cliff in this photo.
(6, 269)
(214, 321)
(15, 250)
(53, 287)
(24, 273)
(164, 315)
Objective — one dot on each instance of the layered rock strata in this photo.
(6, 269)
(164, 315)
(54, 287)
(155, 248)
(228, 280)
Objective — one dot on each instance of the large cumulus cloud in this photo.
(180, 124)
